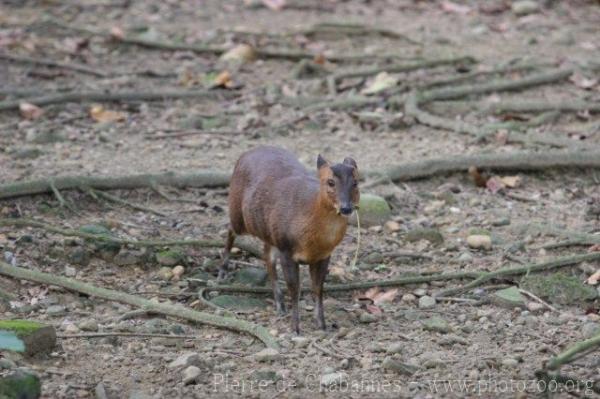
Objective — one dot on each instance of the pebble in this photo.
(465, 257)
(191, 374)
(392, 226)
(408, 298)
(70, 271)
(420, 292)
(525, 7)
(333, 379)
(56, 310)
(165, 273)
(300, 342)
(185, 360)
(426, 302)
(88, 325)
(478, 241)
(510, 362)
(535, 307)
(71, 329)
(590, 329)
(178, 272)
(395, 347)
(399, 367)
(367, 318)
(267, 355)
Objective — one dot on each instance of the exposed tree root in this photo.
(175, 310)
(54, 64)
(113, 198)
(208, 179)
(552, 264)
(103, 96)
(574, 351)
(517, 161)
(540, 106)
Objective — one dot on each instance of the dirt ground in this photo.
(485, 350)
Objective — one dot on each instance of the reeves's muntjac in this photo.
(300, 216)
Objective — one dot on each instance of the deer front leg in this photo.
(292, 278)
(318, 273)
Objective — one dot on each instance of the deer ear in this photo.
(321, 162)
(350, 162)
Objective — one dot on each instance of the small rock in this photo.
(366, 317)
(70, 271)
(426, 302)
(300, 342)
(525, 7)
(178, 272)
(71, 329)
(392, 226)
(254, 276)
(408, 298)
(501, 222)
(510, 362)
(590, 329)
(510, 297)
(420, 292)
(127, 257)
(79, 256)
(191, 374)
(477, 241)
(373, 211)
(185, 360)
(452, 339)
(56, 310)
(399, 367)
(436, 324)
(267, 355)
(169, 257)
(395, 347)
(7, 364)
(431, 235)
(535, 307)
(165, 273)
(465, 257)
(88, 325)
(333, 379)
(265, 375)
(240, 54)
(29, 337)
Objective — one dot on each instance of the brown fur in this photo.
(272, 196)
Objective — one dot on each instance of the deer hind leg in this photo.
(271, 264)
(228, 245)
(291, 273)
(318, 272)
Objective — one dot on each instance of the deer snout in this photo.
(346, 209)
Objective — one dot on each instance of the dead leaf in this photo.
(241, 53)
(455, 8)
(381, 82)
(583, 82)
(594, 278)
(319, 59)
(511, 181)
(339, 272)
(30, 111)
(223, 80)
(102, 115)
(594, 248)
(387, 296)
(373, 309)
(494, 184)
(371, 293)
(274, 5)
(117, 33)
(478, 179)
(502, 136)
(73, 45)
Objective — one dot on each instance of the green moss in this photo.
(21, 327)
(559, 288)
(20, 385)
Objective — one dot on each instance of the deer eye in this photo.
(331, 183)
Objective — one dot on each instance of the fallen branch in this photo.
(574, 351)
(531, 268)
(292, 55)
(540, 106)
(113, 198)
(516, 161)
(198, 179)
(103, 96)
(124, 334)
(398, 68)
(176, 310)
(54, 64)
